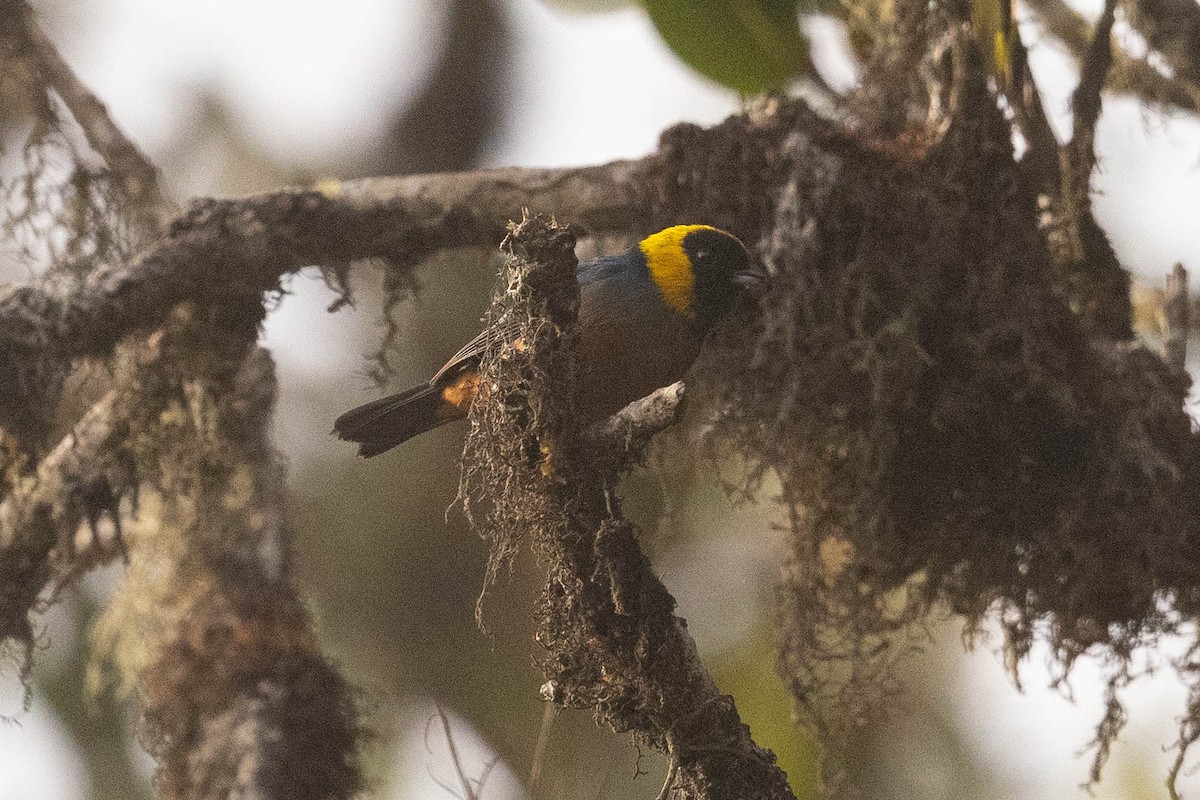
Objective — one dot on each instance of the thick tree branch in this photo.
(614, 645)
(246, 245)
(249, 244)
(236, 697)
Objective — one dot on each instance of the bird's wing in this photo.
(597, 269)
(470, 353)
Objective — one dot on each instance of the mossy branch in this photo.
(206, 625)
(613, 643)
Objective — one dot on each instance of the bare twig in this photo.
(486, 773)
(1097, 60)
(549, 713)
(622, 439)
(468, 790)
(1090, 274)
(1030, 115)
(1079, 156)
(1178, 316)
(1132, 76)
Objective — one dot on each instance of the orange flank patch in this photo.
(461, 392)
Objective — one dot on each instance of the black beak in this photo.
(753, 279)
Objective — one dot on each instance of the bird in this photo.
(643, 316)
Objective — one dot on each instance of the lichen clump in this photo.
(947, 433)
(515, 429)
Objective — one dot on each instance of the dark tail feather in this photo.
(382, 424)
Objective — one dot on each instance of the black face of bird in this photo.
(721, 268)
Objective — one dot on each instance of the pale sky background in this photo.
(307, 84)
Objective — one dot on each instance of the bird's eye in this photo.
(701, 255)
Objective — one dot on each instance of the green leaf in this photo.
(747, 45)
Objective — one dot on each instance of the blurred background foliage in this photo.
(748, 46)
(234, 98)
